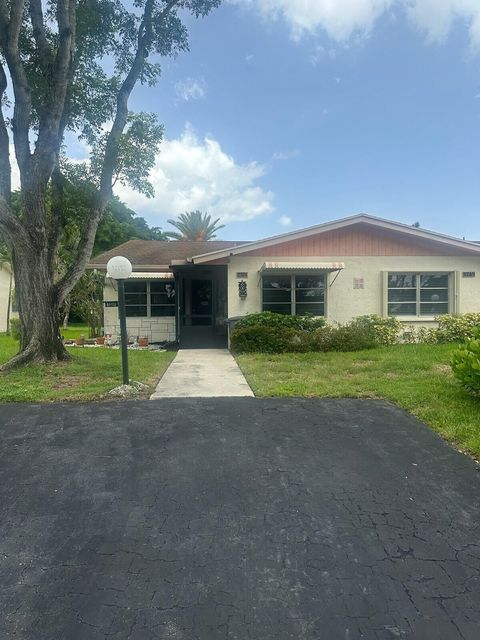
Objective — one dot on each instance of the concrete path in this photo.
(202, 373)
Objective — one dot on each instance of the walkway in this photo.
(202, 373)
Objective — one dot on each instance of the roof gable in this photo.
(357, 235)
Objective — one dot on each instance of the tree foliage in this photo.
(72, 66)
(194, 225)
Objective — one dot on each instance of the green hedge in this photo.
(279, 320)
(274, 333)
(466, 364)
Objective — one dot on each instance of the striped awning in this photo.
(152, 275)
(301, 266)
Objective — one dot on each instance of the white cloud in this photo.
(436, 18)
(285, 221)
(191, 89)
(192, 173)
(339, 18)
(343, 19)
(286, 155)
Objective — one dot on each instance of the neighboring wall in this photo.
(4, 293)
(155, 329)
(343, 302)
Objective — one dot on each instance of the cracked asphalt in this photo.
(209, 519)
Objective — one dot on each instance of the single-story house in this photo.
(6, 290)
(186, 291)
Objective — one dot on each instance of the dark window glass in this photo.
(434, 295)
(310, 309)
(309, 282)
(402, 309)
(421, 294)
(164, 310)
(402, 280)
(277, 295)
(436, 280)
(402, 295)
(136, 311)
(434, 309)
(277, 282)
(135, 299)
(286, 309)
(310, 295)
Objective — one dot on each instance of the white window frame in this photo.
(293, 292)
(452, 293)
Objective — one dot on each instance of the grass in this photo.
(73, 331)
(88, 376)
(417, 378)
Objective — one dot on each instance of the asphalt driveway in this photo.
(234, 519)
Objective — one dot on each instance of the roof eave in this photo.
(339, 224)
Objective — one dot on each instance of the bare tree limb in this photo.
(144, 42)
(5, 168)
(9, 43)
(39, 34)
(50, 127)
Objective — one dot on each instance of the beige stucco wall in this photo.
(4, 291)
(343, 302)
(155, 329)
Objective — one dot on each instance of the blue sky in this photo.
(281, 119)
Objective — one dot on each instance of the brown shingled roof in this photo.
(151, 254)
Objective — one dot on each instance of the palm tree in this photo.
(194, 225)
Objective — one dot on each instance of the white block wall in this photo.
(343, 302)
(155, 329)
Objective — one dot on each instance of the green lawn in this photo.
(88, 376)
(415, 377)
(74, 331)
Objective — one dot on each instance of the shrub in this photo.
(385, 331)
(15, 328)
(263, 339)
(270, 319)
(353, 336)
(466, 364)
(457, 328)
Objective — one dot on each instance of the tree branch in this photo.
(144, 42)
(51, 124)
(38, 26)
(5, 168)
(9, 43)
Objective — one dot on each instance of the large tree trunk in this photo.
(39, 310)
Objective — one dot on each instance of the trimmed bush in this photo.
(466, 364)
(263, 338)
(457, 328)
(15, 328)
(270, 319)
(385, 331)
(354, 336)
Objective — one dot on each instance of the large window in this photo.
(150, 299)
(294, 294)
(418, 294)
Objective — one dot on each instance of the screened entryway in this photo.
(202, 311)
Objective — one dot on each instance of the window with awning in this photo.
(294, 294)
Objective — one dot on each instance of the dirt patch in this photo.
(443, 369)
(363, 364)
(66, 382)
